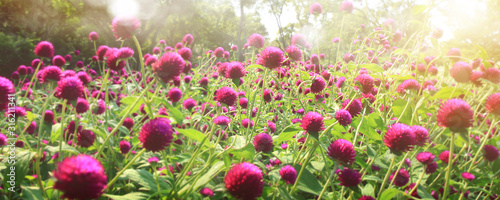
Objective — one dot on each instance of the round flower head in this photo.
(312, 122)
(431, 168)
(84, 77)
(79, 64)
(80, 177)
(58, 61)
(468, 176)
(44, 49)
(271, 58)
(263, 142)
(243, 102)
(68, 58)
(86, 138)
(406, 85)
(366, 198)
(124, 26)
(81, 105)
(288, 174)
(401, 178)
(124, 146)
(492, 104)
(347, 7)
(69, 88)
(101, 52)
(219, 52)
(99, 108)
(355, 107)
(234, 70)
(93, 36)
(3, 140)
(455, 114)
(222, 120)
(315, 9)
(48, 117)
(492, 74)
(234, 48)
(22, 70)
(6, 88)
(246, 122)
(36, 62)
(113, 61)
(343, 117)
(189, 104)
(187, 39)
(256, 41)
(349, 177)
(150, 60)
(461, 72)
(299, 39)
(314, 59)
(294, 52)
(318, 85)
(399, 138)
(454, 53)
(425, 158)
(445, 156)
(490, 153)
(226, 95)
(206, 192)
(185, 53)
(268, 95)
(129, 123)
(68, 73)
(366, 82)
(421, 135)
(156, 134)
(244, 181)
(342, 150)
(336, 40)
(349, 57)
(169, 66)
(174, 94)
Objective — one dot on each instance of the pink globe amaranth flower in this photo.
(129, 123)
(93, 36)
(299, 39)
(169, 66)
(425, 158)
(288, 174)
(244, 181)
(219, 52)
(226, 95)
(124, 26)
(349, 57)
(314, 59)
(79, 64)
(456, 114)
(468, 176)
(349, 177)
(246, 122)
(390, 22)
(151, 60)
(101, 52)
(185, 53)
(401, 178)
(204, 81)
(36, 62)
(268, 95)
(206, 192)
(84, 77)
(69, 88)
(355, 107)
(397, 36)
(58, 61)
(124, 146)
(156, 50)
(48, 117)
(243, 102)
(315, 9)
(152, 160)
(234, 48)
(492, 74)
(234, 70)
(366, 198)
(493, 104)
(256, 41)
(340, 82)
(6, 88)
(461, 72)
(222, 120)
(175, 94)
(44, 49)
(189, 104)
(431, 168)
(347, 7)
(445, 156)
(335, 40)
(366, 82)
(475, 76)
(271, 57)
(312, 122)
(124, 53)
(454, 53)
(86, 138)
(156, 134)
(294, 52)
(342, 150)
(490, 153)
(263, 143)
(31, 128)
(82, 105)
(113, 61)
(407, 85)
(178, 46)
(343, 117)
(68, 58)
(99, 108)
(80, 177)
(421, 135)
(3, 140)
(399, 138)
(68, 73)
(22, 70)
(187, 39)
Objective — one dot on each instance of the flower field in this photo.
(383, 120)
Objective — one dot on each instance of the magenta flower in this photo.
(244, 181)
(124, 26)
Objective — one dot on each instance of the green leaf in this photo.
(64, 148)
(308, 182)
(372, 178)
(487, 64)
(288, 133)
(247, 152)
(417, 9)
(371, 152)
(56, 132)
(131, 107)
(398, 107)
(175, 113)
(372, 67)
(128, 100)
(145, 179)
(446, 93)
(130, 196)
(31, 193)
(284, 194)
(255, 66)
(422, 193)
(214, 170)
(390, 193)
(194, 135)
(318, 165)
(368, 190)
(20, 164)
(482, 52)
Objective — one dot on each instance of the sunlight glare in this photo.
(122, 7)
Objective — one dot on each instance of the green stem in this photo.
(450, 162)
(61, 137)
(112, 182)
(386, 177)
(139, 50)
(332, 174)
(302, 169)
